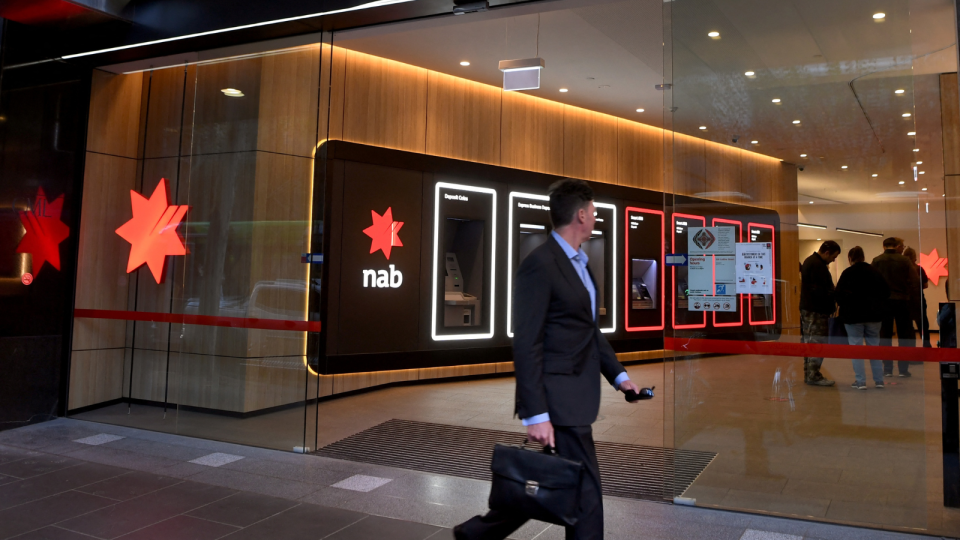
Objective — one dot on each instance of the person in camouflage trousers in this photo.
(817, 303)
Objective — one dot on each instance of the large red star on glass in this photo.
(45, 231)
(152, 232)
(934, 266)
(383, 232)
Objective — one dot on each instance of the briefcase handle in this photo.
(546, 449)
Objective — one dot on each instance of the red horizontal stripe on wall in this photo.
(202, 320)
(814, 350)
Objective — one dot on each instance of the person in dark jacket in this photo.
(817, 303)
(862, 294)
(918, 301)
(902, 280)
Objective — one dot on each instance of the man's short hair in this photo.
(567, 197)
(892, 242)
(856, 254)
(830, 247)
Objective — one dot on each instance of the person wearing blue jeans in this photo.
(862, 293)
(856, 334)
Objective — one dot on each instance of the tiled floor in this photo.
(143, 485)
(837, 454)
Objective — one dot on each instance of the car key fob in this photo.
(644, 393)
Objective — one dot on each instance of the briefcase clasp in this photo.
(532, 488)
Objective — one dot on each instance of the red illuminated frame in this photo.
(773, 261)
(626, 273)
(673, 286)
(739, 297)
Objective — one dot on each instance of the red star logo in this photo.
(45, 231)
(934, 266)
(152, 232)
(383, 232)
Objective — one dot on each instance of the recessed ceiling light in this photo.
(916, 149)
(639, 110)
(874, 175)
(564, 90)
(749, 73)
(901, 182)
(911, 133)
(906, 115)
(843, 166)
(464, 63)
(232, 92)
(919, 163)
(921, 172)
(923, 189)
(879, 16)
(703, 127)
(819, 239)
(796, 121)
(754, 142)
(775, 100)
(803, 155)
(811, 202)
(899, 91)
(714, 34)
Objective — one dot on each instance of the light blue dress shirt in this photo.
(579, 260)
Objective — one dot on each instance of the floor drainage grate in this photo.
(626, 470)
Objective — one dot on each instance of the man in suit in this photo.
(559, 355)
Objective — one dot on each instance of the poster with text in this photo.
(755, 268)
(699, 275)
(711, 240)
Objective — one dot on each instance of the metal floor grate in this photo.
(626, 470)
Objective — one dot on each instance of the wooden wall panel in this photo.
(333, 73)
(271, 382)
(531, 133)
(758, 174)
(722, 172)
(114, 123)
(357, 381)
(463, 119)
(164, 112)
(456, 371)
(689, 165)
(950, 120)
(639, 155)
(951, 188)
(289, 84)
(95, 376)
(222, 123)
(589, 145)
(385, 103)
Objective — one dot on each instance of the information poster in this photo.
(699, 275)
(755, 268)
(711, 240)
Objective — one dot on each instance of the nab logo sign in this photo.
(384, 236)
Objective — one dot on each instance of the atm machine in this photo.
(459, 308)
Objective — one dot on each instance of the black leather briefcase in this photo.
(537, 485)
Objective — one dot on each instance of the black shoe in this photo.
(907, 374)
(458, 533)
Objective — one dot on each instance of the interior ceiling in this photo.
(832, 66)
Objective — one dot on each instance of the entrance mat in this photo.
(626, 470)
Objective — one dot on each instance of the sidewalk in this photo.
(76, 480)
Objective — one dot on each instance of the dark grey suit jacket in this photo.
(558, 350)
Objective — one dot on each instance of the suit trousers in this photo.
(897, 312)
(574, 443)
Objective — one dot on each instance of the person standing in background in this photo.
(923, 322)
(862, 293)
(817, 303)
(901, 278)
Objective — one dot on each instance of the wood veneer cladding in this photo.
(951, 188)
(385, 103)
(114, 123)
(722, 172)
(758, 175)
(164, 111)
(222, 123)
(289, 84)
(689, 165)
(639, 155)
(950, 118)
(95, 377)
(531, 133)
(333, 73)
(463, 119)
(589, 145)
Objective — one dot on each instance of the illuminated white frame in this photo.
(521, 195)
(436, 261)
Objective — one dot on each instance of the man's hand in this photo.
(628, 385)
(542, 433)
